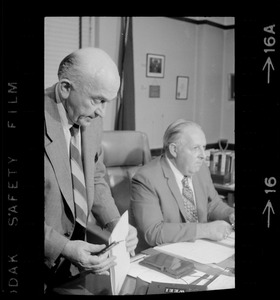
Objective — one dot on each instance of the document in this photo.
(149, 275)
(222, 282)
(229, 241)
(119, 271)
(202, 251)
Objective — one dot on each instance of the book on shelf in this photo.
(222, 165)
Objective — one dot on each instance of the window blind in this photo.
(61, 38)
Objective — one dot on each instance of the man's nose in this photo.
(100, 111)
(202, 153)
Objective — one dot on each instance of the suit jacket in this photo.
(157, 206)
(59, 202)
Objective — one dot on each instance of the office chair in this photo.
(124, 152)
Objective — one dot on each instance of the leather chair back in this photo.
(124, 152)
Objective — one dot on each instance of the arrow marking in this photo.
(269, 207)
(269, 65)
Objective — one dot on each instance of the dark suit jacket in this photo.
(157, 206)
(59, 203)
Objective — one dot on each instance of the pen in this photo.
(109, 247)
(137, 257)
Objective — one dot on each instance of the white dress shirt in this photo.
(179, 177)
(65, 122)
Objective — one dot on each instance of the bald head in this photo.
(91, 68)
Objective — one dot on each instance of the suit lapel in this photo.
(172, 184)
(57, 151)
(199, 194)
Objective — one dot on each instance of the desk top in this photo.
(226, 187)
(221, 271)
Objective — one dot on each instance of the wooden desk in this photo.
(223, 267)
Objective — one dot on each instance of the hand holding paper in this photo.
(131, 240)
(84, 256)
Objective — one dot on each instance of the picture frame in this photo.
(155, 65)
(154, 91)
(182, 87)
(231, 87)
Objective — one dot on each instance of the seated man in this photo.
(173, 196)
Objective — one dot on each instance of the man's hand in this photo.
(131, 240)
(216, 230)
(82, 255)
(232, 219)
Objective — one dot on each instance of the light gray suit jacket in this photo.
(59, 202)
(157, 206)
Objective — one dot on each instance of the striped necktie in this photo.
(189, 201)
(78, 180)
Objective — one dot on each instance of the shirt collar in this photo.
(178, 175)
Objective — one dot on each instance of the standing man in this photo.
(173, 196)
(75, 189)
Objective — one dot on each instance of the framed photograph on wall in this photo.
(154, 91)
(155, 65)
(182, 87)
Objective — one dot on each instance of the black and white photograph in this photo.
(155, 65)
(139, 155)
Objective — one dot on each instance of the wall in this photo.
(103, 32)
(202, 52)
(177, 42)
(209, 80)
(228, 107)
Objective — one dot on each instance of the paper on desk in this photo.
(222, 282)
(149, 275)
(202, 251)
(229, 241)
(119, 271)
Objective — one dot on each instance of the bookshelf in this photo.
(220, 158)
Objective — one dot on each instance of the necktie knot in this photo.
(74, 130)
(185, 181)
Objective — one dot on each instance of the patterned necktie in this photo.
(78, 180)
(189, 201)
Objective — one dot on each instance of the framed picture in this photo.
(155, 65)
(231, 88)
(182, 87)
(154, 91)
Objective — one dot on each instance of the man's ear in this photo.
(172, 149)
(65, 87)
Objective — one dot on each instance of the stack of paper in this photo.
(202, 251)
(222, 282)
